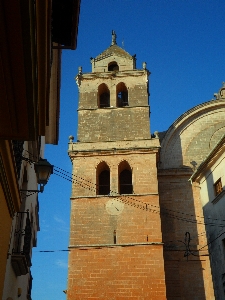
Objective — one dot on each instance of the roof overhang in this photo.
(65, 19)
(26, 37)
(18, 95)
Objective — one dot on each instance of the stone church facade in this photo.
(137, 226)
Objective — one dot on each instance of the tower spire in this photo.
(113, 38)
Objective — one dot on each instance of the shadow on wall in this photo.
(184, 146)
(178, 206)
(215, 219)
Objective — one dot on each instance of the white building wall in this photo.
(214, 213)
(13, 284)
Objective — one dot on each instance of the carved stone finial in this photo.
(113, 38)
(71, 138)
(156, 134)
(223, 83)
(144, 65)
(80, 70)
(215, 95)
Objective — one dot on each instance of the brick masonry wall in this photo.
(116, 273)
(111, 124)
(92, 223)
(181, 212)
(136, 83)
(144, 171)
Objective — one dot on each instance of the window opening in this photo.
(104, 100)
(103, 179)
(218, 188)
(104, 96)
(125, 180)
(122, 95)
(113, 66)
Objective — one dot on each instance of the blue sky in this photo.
(183, 43)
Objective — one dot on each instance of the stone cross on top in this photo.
(113, 38)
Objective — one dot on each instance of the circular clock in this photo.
(114, 207)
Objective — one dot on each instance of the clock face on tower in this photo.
(114, 207)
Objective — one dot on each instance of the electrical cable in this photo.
(142, 205)
(94, 189)
(69, 178)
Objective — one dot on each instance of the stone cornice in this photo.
(151, 145)
(111, 74)
(116, 245)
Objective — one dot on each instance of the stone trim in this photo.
(113, 107)
(114, 196)
(116, 245)
(110, 74)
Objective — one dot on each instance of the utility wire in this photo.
(94, 189)
(141, 205)
(86, 185)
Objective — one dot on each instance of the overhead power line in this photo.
(141, 205)
(85, 184)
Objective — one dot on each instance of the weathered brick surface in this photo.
(189, 140)
(120, 256)
(116, 273)
(139, 221)
(181, 212)
(144, 171)
(111, 124)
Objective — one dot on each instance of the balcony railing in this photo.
(20, 258)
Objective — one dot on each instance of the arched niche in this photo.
(125, 178)
(122, 95)
(103, 96)
(103, 179)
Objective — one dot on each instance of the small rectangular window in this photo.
(218, 188)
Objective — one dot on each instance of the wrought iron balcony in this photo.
(20, 258)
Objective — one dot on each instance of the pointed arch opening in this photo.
(125, 178)
(103, 179)
(122, 95)
(113, 66)
(103, 96)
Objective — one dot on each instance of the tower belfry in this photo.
(116, 245)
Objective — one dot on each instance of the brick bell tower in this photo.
(116, 249)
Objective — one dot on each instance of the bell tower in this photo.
(116, 249)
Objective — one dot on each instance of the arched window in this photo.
(103, 179)
(103, 96)
(113, 66)
(125, 178)
(122, 95)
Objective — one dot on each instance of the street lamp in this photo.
(43, 170)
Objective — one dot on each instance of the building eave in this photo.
(210, 159)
